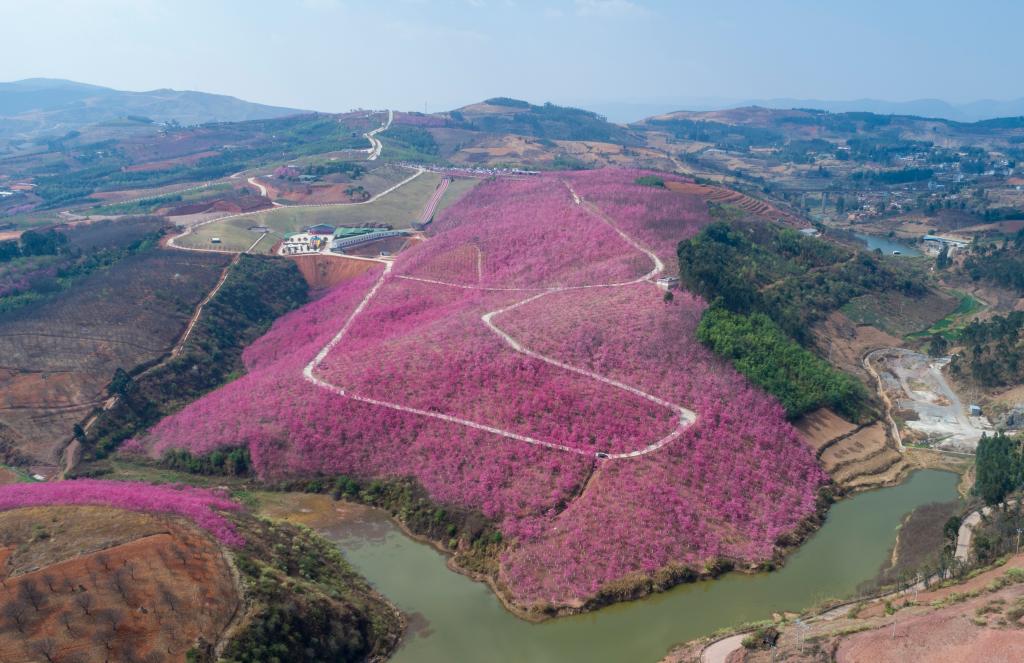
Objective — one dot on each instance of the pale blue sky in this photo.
(337, 54)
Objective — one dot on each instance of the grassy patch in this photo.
(950, 325)
(399, 208)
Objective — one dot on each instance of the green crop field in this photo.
(399, 208)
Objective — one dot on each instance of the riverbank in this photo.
(972, 619)
(453, 618)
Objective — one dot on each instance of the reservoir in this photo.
(887, 245)
(453, 618)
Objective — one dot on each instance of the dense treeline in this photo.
(794, 279)
(759, 349)
(351, 168)
(47, 242)
(999, 469)
(219, 462)
(1001, 265)
(257, 291)
(993, 355)
(307, 603)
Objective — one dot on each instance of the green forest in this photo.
(993, 354)
(999, 468)
(1000, 265)
(793, 279)
(761, 351)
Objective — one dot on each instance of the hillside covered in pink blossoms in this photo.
(203, 507)
(494, 362)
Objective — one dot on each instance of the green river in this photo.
(453, 618)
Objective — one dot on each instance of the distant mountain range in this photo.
(986, 109)
(43, 106)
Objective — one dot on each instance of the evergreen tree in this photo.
(996, 468)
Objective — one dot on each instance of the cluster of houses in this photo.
(321, 237)
(311, 239)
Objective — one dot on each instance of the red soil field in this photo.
(328, 271)
(147, 599)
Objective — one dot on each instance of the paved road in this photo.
(966, 532)
(375, 145)
(685, 417)
(718, 651)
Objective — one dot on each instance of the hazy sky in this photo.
(333, 55)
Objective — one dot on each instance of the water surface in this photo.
(456, 619)
(887, 245)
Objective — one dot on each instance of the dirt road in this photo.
(911, 381)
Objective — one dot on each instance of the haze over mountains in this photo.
(974, 111)
(37, 107)
(42, 106)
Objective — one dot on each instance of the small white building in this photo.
(668, 282)
(303, 242)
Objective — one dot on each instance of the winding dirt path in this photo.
(685, 417)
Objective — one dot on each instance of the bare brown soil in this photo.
(846, 343)
(147, 588)
(393, 245)
(856, 457)
(821, 426)
(724, 196)
(7, 476)
(850, 455)
(327, 271)
(57, 357)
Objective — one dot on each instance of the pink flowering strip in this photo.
(200, 506)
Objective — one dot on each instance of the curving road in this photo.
(375, 145)
(685, 417)
(966, 531)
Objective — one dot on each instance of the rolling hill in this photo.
(42, 106)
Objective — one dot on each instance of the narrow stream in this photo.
(455, 619)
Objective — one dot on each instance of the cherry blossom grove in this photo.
(529, 314)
